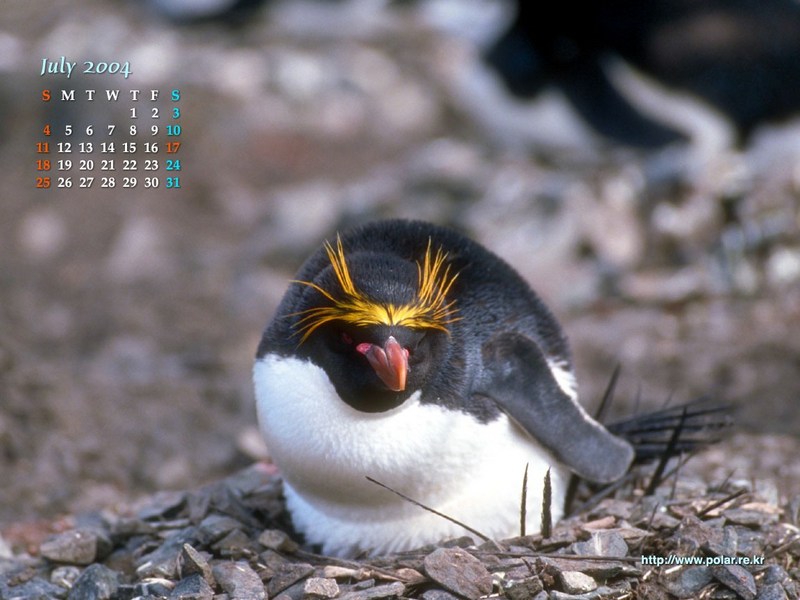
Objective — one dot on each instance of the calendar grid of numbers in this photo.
(125, 137)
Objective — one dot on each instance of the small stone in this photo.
(274, 539)
(598, 569)
(97, 582)
(321, 587)
(239, 581)
(693, 534)
(214, 527)
(686, 583)
(193, 587)
(522, 589)
(774, 574)
(458, 571)
(154, 587)
(65, 576)
(192, 562)
(163, 560)
(575, 582)
(287, 575)
(438, 595)
(164, 505)
(772, 591)
(601, 593)
(390, 590)
(235, 543)
(32, 588)
(76, 547)
(749, 518)
(748, 541)
(602, 543)
(736, 578)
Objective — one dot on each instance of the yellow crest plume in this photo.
(429, 310)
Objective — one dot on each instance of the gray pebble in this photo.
(522, 589)
(458, 571)
(239, 581)
(686, 583)
(749, 518)
(772, 591)
(193, 587)
(164, 505)
(214, 527)
(76, 547)
(32, 588)
(575, 582)
(694, 534)
(192, 562)
(602, 543)
(274, 539)
(438, 595)
(163, 561)
(286, 576)
(774, 574)
(390, 590)
(600, 593)
(97, 582)
(65, 576)
(321, 587)
(736, 578)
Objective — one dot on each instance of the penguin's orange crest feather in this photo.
(430, 309)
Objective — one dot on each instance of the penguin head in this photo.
(377, 323)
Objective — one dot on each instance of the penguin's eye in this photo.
(346, 338)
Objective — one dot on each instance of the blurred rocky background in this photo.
(129, 318)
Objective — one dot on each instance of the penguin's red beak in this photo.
(390, 363)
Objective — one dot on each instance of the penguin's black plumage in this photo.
(407, 353)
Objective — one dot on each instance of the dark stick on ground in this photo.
(547, 500)
(485, 538)
(655, 480)
(523, 505)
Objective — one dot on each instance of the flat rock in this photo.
(389, 590)
(686, 583)
(97, 582)
(575, 582)
(65, 576)
(163, 560)
(76, 547)
(602, 543)
(192, 562)
(438, 595)
(522, 589)
(239, 581)
(458, 571)
(193, 587)
(321, 587)
(31, 588)
(286, 576)
(599, 569)
(278, 540)
(736, 578)
(215, 527)
(772, 591)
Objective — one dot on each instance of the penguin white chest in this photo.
(445, 459)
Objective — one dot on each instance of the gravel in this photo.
(169, 548)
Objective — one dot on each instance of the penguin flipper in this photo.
(519, 380)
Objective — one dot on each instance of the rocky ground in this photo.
(229, 540)
(128, 320)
